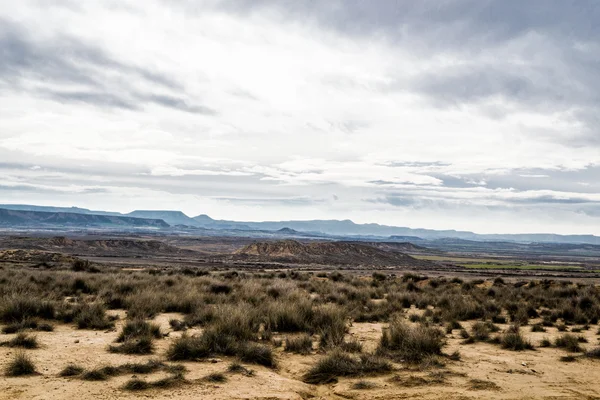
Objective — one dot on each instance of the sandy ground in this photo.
(515, 375)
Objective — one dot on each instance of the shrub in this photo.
(214, 342)
(15, 327)
(594, 353)
(520, 317)
(91, 316)
(499, 281)
(537, 328)
(216, 377)
(301, 344)
(479, 384)
(12, 328)
(169, 382)
(136, 384)
(329, 322)
(453, 325)
(237, 368)
(145, 304)
(236, 322)
(147, 368)
(29, 323)
(220, 288)
(514, 340)
(568, 358)
(287, 316)
(45, 327)
(20, 365)
(201, 315)
(480, 331)
(568, 342)
(71, 370)
(545, 342)
(103, 373)
(187, 348)
(137, 345)
(352, 346)
(547, 322)
(410, 343)
(23, 340)
(217, 342)
(80, 265)
(378, 276)
(80, 285)
(138, 328)
(256, 354)
(414, 318)
(338, 364)
(20, 308)
(459, 308)
(177, 325)
(98, 374)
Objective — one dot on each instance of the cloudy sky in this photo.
(473, 115)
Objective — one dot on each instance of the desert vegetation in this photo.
(21, 364)
(261, 317)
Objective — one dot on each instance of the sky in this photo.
(446, 114)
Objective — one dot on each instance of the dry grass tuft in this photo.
(20, 365)
(338, 363)
(479, 384)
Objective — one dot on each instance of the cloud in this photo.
(555, 200)
(33, 65)
(95, 99)
(292, 201)
(179, 104)
(463, 114)
(62, 58)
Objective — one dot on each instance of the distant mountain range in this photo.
(165, 218)
(349, 228)
(23, 218)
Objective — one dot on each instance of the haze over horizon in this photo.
(469, 115)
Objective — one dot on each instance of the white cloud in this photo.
(255, 104)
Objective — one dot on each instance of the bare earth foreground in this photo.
(509, 375)
(239, 327)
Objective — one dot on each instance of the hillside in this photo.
(170, 217)
(327, 253)
(35, 257)
(403, 247)
(22, 218)
(95, 247)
